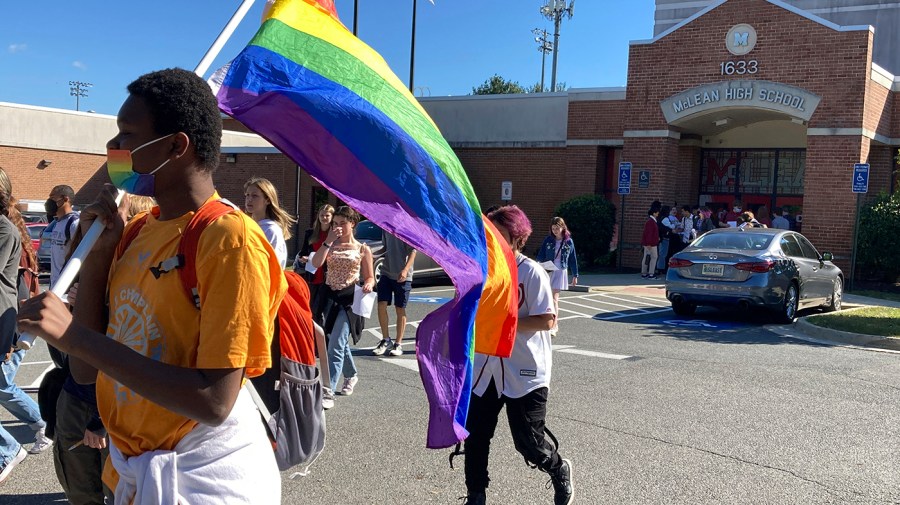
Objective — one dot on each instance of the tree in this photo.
(536, 88)
(590, 219)
(497, 85)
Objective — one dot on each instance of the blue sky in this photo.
(459, 43)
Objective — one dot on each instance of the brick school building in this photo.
(755, 100)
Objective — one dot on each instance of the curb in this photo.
(846, 337)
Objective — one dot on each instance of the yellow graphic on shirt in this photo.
(135, 325)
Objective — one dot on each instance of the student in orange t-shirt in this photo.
(168, 374)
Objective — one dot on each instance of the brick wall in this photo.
(829, 207)
(81, 171)
(596, 120)
(660, 156)
(790, 49)
(878, 108)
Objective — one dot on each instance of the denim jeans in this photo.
(16, 401)
(9, 447)
(663, 252)
(339, 355)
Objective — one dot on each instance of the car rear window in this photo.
(367, 230)
(734, 240)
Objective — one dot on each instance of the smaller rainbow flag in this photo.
(330, 103)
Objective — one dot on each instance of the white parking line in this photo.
(409, 364)
(626, 307)
(416, 291)
(561, 309)
(605, 295)
(619, 316)
(595, 354)
(587, 306)
(37, 382)
(36, 363)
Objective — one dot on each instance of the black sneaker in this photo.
(479, 498)
(563, 486)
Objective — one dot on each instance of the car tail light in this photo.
(679, 263)
(759, 267)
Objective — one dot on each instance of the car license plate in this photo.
(717, 270)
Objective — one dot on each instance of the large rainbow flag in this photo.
(330, 103)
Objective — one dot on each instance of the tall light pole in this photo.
(78, 89)
(554, 10)
(545, 47)
(412, 47)
(355, 16)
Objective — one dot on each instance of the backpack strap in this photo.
(190, 242)
(131, 232)
(68, 229)
(185, 260)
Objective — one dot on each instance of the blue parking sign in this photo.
(625, 178)
(861, 178)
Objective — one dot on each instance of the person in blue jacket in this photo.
(559, 248)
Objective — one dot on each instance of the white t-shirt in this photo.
(275, 236)
(59, 246)
(528, 368)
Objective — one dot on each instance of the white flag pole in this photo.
(67, 276)
(223, 37)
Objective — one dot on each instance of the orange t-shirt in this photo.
(240, 283)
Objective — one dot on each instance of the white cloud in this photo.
(17, 48)
(79, 65)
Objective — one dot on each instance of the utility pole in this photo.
(554, 10)
(78, 89)
(545, 47)
(355, 16)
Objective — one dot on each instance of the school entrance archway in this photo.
(749, 139)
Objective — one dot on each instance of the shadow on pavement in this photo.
(723, 326)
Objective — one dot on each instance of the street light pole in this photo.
(554, 10)
(545, 48)
(78, 89)
(412, 48)
(355, 16)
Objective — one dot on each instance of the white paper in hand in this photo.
(363, 302)
(309, 266)
(549, 266)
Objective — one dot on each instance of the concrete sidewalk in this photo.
(633, 283)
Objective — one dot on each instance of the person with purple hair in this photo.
(559, 248)
(520, 382)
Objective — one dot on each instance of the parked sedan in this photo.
(34, 231)
(423, 266)
(759, 267)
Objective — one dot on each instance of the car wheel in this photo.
(379, 262)
(837, 296)
(683, 308)
(788, 311)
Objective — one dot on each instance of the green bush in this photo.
(590, 219)
(879, 238)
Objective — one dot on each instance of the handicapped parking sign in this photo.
(644, 179)
(625, 178)
(861, 178)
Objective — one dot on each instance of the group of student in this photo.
(152, 397)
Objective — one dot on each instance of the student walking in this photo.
(559, 248)
(394, 287)
(349, 262)
(16, 401)
(261, 203)
(520, 382)
(170, 368)
(312, 243)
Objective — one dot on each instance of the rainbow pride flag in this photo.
(330, 103)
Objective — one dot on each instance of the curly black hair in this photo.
(180, 101)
